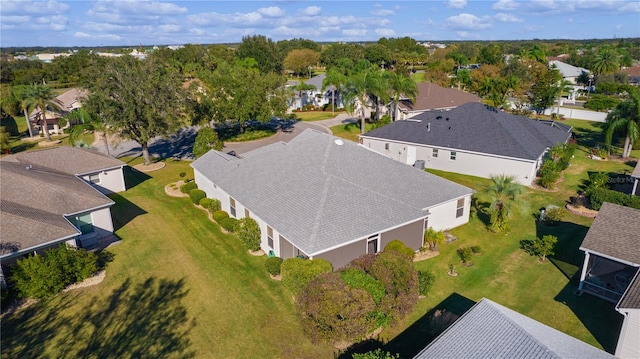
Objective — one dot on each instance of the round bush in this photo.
(219, 216)
(297, 272)
(399, 247)
(425, 281)
(230, 224)
(197, 195)
(273, 265)
(187, 187)
(205, 202)
(249, 233)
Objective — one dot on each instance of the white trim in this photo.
(100, 170)
(451, 200)
(610, 257)
(375, 237)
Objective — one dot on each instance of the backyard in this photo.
(179, 287)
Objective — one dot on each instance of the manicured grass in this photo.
(176, 286)
(350, 131)
(251, 135)
(315, 115)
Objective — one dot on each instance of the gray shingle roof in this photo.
(316, 81)
(431, 96)
(568, 70)
(615, 233)
(636, 170)
(320, 195)
(71, 160)
(492, 331)
(478, 128)
(631, 297)
(34, 200)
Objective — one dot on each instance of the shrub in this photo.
(197, 195)
(219, 215)
(206, 140)
(555, 215)
(205, 202)
(425, 281)
(45, 276)
(357, 278)
(183, 174)
(433, 238)
(249, 233)
(273, 265)
(10, 125)
(541, 247)
(188, 186)
(400, 280)
(297, 272)
(598, 180)
(549, 173)
(375, 354)
(465, 254)
(399, 247)
(230, 224)
(476, 249)
(211, 204)
(330, 310)
(599, 195)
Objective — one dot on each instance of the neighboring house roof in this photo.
(631, 297)
(478, 128)
(321, 192)
(615, 233)
(631, 71)
(431, 96)
(558, 58)
(316, 81)
(34, 200)
(568, 70)
(490, 330)
(69, 100)
(70, 160)
(636, 170)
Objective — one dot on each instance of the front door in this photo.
(411, 155)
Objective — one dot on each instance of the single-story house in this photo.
(633, 74)
(472, 139)
(489, 330)
(611, 267)
(68, 101)
(568, 72)
(317, 97)
(319, 196)
(433, 97)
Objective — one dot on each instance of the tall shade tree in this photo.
(263, 50)
(400, 85)
(503, 190)
(83, 121)
(41, 98)
(137, 100)
(545, 90)
(336, 80)
(606, 62)
(299, 61)
(626, 117)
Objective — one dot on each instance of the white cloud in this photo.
(385, 32)
(251, 19)
(354, 32)
(505, 5)
(428, 23)
(507, 18)
(382, 12)
(15, 19)
(457, 4)
(311, 10)
(169, 28)
(21, 7)
(467, 22)
(137, 7)
(84, 35)
(377, 5)
(271, 11)
(618, 27)
(196, 32)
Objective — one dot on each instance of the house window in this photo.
(246, 213)
(372, 244)
(94, 178)
(460, 208)
(386, 146)
(84, 223)
(452, 157)
(434, 154)
(270, 237)
(232, 207)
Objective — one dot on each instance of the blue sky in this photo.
(140, 22)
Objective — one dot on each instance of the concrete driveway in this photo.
(179, 146)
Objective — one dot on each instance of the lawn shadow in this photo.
(133, 177)
(123, 211)
(590, 138)
(419, 334)
(568, 257)
(482, 211)
(177, 146)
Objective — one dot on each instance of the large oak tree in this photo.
(137, 99)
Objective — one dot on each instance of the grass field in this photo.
(350, 131)
(315, 115)
(178, 287)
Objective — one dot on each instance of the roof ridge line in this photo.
(325, 192)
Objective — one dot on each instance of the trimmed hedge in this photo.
(249, 233)
(219, 215)
(187, 187)
(197, 195)
(273, 265)
(297, 272)
(211, 204)
(425, 281)
(399, 247)
(230, 224)
(598, 195)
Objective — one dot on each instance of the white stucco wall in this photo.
(629, 341)
(111, 181)
(469, 163)
(443, 217)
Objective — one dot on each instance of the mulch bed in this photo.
(149, 168)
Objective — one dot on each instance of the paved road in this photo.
(179, 146)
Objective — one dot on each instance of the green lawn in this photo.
(178, 287)
(350, 131)
(315, 115)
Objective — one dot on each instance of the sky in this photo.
(153, 22)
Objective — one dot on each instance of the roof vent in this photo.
(429, 127)
(447, 119)
(339, 142)
(439, 118)
(449, 127)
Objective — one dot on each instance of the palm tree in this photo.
(606, 62)
(361, 86)
(399, 84)
(336, 80)
(503, 189)
(40, 97)
(83, 121)
(626, 115)
(303, 86)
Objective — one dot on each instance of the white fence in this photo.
(577, 114)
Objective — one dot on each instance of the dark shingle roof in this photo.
(478, 128)
(631, 297)
(615, 233)
(492, 331)
(431, 96)
(321, 192)
(71, 160)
